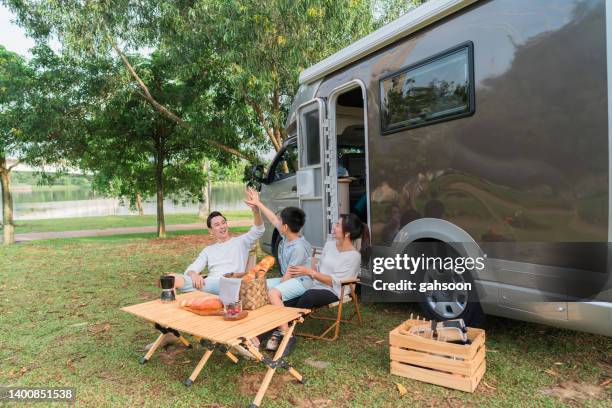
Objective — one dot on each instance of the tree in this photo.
(95, 29)
(260, 45)
(133, 151)
(36, 111)
(265, 44)
(15, 78)
(224, 84)
(192, 107)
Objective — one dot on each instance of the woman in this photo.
(340, 260)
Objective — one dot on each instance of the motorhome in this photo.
(477, 122)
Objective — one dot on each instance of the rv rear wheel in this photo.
(440, 304)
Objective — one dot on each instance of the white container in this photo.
(305, 182)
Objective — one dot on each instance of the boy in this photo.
(293, 250)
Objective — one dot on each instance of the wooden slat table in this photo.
(218, 334)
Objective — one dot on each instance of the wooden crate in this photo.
(450, 365)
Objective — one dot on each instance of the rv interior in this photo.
(350, 143)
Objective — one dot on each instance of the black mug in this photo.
(167, 284)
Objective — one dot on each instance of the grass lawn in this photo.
(62, 326)
(113, 221)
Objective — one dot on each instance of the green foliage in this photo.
(389, 10)
(265, 44)
(42, 106)
(231, 173)
(253, 48)
(16, 81)
(221, 78)
(34, 179)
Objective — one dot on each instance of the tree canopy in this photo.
(140, 92)
(256, 47)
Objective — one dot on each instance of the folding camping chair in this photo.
(347, 294)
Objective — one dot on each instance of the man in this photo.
(226, 255)
(293, 250)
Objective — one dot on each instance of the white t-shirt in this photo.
(339, 265)
(229, 256)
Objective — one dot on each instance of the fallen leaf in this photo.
(558, 363)
(402, 390)
(551, 372)
(606, 383)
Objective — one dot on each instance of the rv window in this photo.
(311, 152)
(440, 88)
(286, 164)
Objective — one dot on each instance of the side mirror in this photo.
(258, 173)
(255, 176)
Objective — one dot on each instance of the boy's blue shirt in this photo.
(296, 252)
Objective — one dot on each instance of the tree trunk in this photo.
(159, 180)
(204, 209)
(139, 204)
(208, 191)
(7, 204)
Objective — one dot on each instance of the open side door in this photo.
(313, 171)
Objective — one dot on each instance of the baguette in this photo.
(259, 271)
(208, 303)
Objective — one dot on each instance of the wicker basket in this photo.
(253, 293)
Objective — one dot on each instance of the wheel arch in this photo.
(425, 229)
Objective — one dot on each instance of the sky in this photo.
(12, 36)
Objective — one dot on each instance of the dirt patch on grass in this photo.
(250, 383)
(180, 243)
(575, 391)
(173, 355)
(308, 402)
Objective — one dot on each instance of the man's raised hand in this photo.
(252, 199)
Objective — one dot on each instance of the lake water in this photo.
(82, 202)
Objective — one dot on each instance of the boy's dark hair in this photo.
(293, 217)
(213, 215)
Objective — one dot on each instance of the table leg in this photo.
(198, 368)
(272, 365)
(184, 341)
(231, 357)
(152, 349)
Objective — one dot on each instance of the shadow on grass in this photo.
(126, 237)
